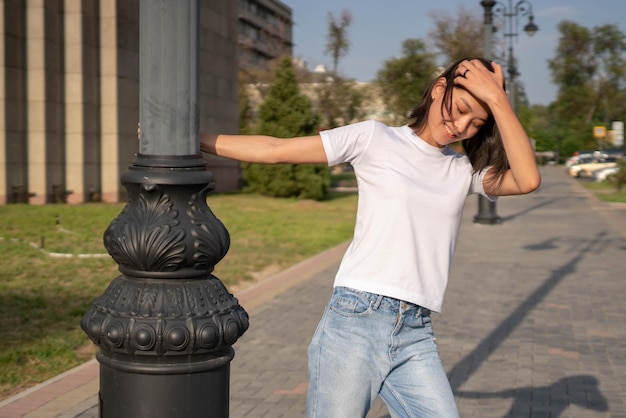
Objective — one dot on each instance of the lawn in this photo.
(606, 191)
(45, 288)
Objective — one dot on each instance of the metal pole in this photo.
(165, 326)
(487, 213)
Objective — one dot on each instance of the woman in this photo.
(375, 336)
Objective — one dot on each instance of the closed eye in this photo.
(469, 109)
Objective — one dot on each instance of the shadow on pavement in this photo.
(525, 211)
(581, 390)
(464, 369)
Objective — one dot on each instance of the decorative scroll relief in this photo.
(211, 239)
(152, 235)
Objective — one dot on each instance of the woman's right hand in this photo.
(484, 84)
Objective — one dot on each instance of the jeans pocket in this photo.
(350, 303)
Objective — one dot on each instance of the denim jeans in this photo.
(366, 345)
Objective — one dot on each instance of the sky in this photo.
(379, 27)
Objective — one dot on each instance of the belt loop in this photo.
(378, 301)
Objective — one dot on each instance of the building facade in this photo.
(265, 32)
(69, 96)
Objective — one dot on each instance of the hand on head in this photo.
(485, 84)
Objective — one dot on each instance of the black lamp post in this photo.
(165, 327)
(510, 12)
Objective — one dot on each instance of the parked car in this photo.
(602, 174)
(578, 159)
(586, 169)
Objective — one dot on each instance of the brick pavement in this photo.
(533, 324)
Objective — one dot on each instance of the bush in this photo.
(306, 181)
(287, 114)
(619, 179)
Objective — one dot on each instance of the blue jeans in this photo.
(366, 345)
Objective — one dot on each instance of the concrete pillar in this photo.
(74, 103)
(36, 80)
(109, 152)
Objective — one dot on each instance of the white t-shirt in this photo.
(411, 198)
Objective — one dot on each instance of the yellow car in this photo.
(586, 169)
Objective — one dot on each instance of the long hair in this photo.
(483, 149)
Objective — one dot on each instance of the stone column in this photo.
(36, 81)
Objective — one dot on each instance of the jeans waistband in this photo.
(389, 302)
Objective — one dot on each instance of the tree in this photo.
(619, 179)
(339, 102)
(609, 46)
(338, 98)
(588, 68)
(458, 35)
(337, 43)
(536, 119)
(286, 113)
(403, 80)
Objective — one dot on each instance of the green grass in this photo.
(606, 191)
(616, 197)
(43, 298)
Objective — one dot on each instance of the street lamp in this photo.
(166, 325)
(510, 12)
(511, 15)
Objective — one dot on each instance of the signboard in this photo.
(618, 132)
(599, 131)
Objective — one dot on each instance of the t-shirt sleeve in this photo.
(477, 184)
(347, 144)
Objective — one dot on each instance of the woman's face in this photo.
(468, 115)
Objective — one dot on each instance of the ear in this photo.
(439, 87)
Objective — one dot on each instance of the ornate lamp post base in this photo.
(165, 326)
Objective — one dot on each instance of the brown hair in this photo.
(485, 148)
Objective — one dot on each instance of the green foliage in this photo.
(245, 110)
(536, 121)
(286, 113)
(305, 181)
(313, 181)
(605, 191)
(589, 69)
(403, 80)
(618, 180)
(457, 34)
(340, 102)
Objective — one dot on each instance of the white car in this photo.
(585, 169)
(603, 173)
(578, 159)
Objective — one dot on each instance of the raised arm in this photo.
(523, 175)
(265, 149)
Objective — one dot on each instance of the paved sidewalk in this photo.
(533, 324)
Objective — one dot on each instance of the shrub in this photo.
(619, 179)
(286, 114)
